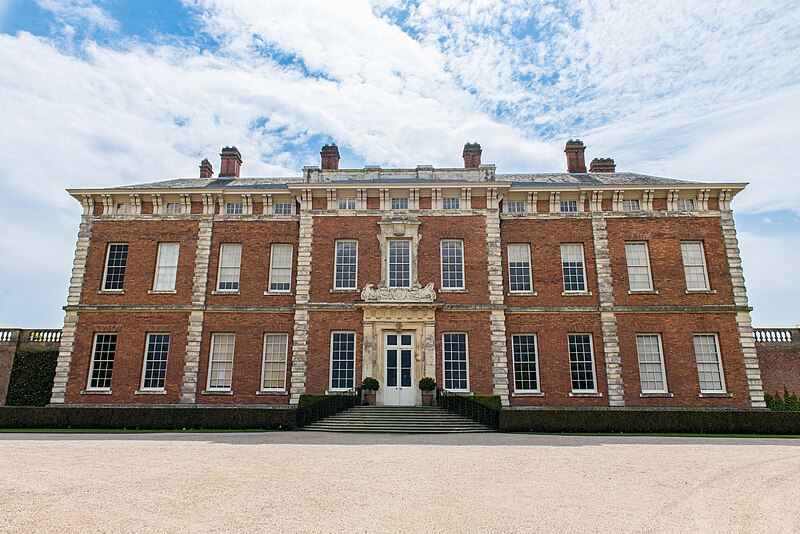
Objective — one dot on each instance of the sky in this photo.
(98, 93)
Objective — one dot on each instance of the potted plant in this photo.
(370, 387)
(427, 385)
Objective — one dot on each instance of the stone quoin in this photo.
(598, 288)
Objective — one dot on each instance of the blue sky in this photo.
(107, 92)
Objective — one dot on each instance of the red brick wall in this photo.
(143, 238)
(479, 350)
(553, 352)
(256, 238)
(780, 365)
(318, 364)
(679, 358)
(326, 231)
(248, 350)
(132, 330)
(664, 238)
(545, 237)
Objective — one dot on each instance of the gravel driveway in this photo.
(314, 482)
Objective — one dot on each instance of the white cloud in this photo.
(80, 12)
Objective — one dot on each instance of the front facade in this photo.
(582, 288)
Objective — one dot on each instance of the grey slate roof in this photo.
(530, 179)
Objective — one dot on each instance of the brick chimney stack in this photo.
(231, 162)
(206, 170)
(602, 165)
(472, 155)
(576, 162)
(330, 157)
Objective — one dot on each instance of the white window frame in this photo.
(330, 364)
(336, 265)
(583, 270)
(275, 208)
(441, 265)
(177, 208)
(661, 363)
(649, 288)
(123, 208)
(707, 286)
(144, 363)
(272, 268)
(451, 203)
(389, 262)
(234, 208)
(444, 360)
(238, 268)
(628, 203)
(348, 202)
(400, 200)
(684, 201)
(211, 362)
(594, 364)
(567, 202)
(93, 362)
(530, 269)
(538, 388)
(718, 362)
(517, 204)
(285, 338)
(105, 271)
(159, 257)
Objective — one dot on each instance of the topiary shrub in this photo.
(427, 384)
(370, 384)
(31, 381)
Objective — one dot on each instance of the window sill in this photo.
(272, 392)
(528, 394)
(111, 292)
(162, 292)
(576, 293)
(223, 292)
(701, 291)
(338, 391)
(95, 392)
(647, 292)
(522, 294)
(444, 290)
(585, 394)
(150, 392)
(269, 293)
(353, 290)
(665, 395)
(217, 392)
(463, 392)
(718, 395)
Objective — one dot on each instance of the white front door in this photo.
(398, 379)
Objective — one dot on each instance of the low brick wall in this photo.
(779, 359)
(16, 339)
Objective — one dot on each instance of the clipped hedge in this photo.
(148, 418)
(307, 399)
(31, 381)
(646, 421)
(491, 401)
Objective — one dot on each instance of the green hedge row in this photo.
(31, 381)
(636, 421)
(308, 399)
(148, 418)
(492, 401)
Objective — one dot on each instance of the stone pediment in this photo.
(398, 294)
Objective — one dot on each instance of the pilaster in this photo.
(498, 316)
(743, 322)
(191, 364)
(302, 297)
(608, 320)
(64, 360)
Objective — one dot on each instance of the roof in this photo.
(410, 176)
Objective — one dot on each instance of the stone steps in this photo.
(397, 420)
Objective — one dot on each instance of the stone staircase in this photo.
(397, 420)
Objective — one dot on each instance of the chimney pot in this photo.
(206, 170)
(231, 162)
(576, 162)
(602, 165)
(330, 157)
(472, 155)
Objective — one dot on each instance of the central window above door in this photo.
(399, 263)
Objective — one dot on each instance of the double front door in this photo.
(399, 369)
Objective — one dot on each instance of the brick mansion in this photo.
(590, 287)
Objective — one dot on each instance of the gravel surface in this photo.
(316, 482)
